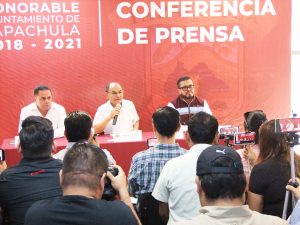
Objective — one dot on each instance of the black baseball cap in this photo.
(207, 162)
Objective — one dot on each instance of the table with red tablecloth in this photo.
(121, 151)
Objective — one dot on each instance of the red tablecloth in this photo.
(121, 151)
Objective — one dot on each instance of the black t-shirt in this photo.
(269, 179)
(79, 210)
(26, 183)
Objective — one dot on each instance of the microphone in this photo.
(116, 116)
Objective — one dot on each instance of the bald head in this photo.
(114, 92)
(111, 85)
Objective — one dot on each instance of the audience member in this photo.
(82, 180)
(45, 107)
(252, 122)
(117, 114)
(36, 177)
(271, 173)
(175, 188)
(187, 103)
(146, 165)
(221, 183)
(295, 216)
(78, 127)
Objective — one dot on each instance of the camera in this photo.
(290, 126)
(109, 192)
(228, 132)
(244, 138)
(2, 155)
(287, 125)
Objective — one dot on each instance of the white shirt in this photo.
(126, 119)
(295, 216)
(61, 154)
(176, 185)
(232, 215)
(56, 115)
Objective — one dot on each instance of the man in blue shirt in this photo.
(147, 165)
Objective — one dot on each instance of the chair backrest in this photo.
(148, 207)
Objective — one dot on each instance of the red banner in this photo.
(238, 53)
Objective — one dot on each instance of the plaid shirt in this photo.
(146, 166)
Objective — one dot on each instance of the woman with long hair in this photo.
(249, 153)
(271, 173)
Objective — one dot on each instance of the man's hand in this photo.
(116, 111)
(118, 182)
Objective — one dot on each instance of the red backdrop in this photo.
(234, 77)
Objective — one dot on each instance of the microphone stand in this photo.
(293, 139)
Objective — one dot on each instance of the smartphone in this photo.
(244, 138)
(151, 142)
(2, 155)
(231, 130)
(287, 125)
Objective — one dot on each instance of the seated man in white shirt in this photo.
(117, 114)
(175, 187)
(78, 127)
(45, 107)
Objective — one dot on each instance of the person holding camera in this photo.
(82, 179)
(271, 173)
(249, 154)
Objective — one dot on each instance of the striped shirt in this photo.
(146, 166)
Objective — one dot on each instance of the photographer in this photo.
(271, 173)
(252, 122)
(82, 179)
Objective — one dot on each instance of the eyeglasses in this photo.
(185, 88)
(116, 93)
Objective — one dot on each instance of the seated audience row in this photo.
(164, 169)
(72, 193)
